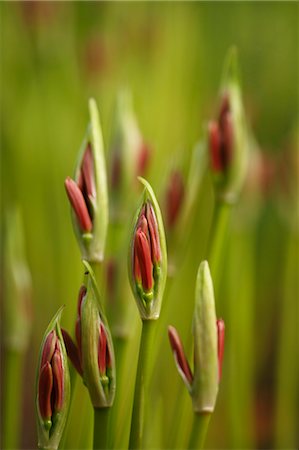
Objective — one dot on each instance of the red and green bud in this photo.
(179, 356)
(95, 344)
(228, 138)
(208, 334)
(87, 192)
(220, 347)
(147, 256)
(52, 387)
(93, 354)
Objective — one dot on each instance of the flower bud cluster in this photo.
(147, 258)
(87, 192)
(53, 386)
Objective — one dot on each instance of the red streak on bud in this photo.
(87, 170)
(224, 107)
(45, 384)
(227, 139)
(221, 138)
(214, 144)
(102, 351)
(153, 232)
(137, 272)
(177, 348)
(174, 198)
(220, 332)
(72, 351)
(143, 159)
(78, 204)
(49, 348)
(57, 378)
(143, 252)
(82, 293)
(78, 336)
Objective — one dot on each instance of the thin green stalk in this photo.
(217, 239)
(100, 430)
(199, 430)
(12, 399)
(117, 416)
(78, 432)
(142, 378)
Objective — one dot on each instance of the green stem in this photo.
(217, 238)
(100, 431)
(141, 383)
(199, 430)
(12, 401)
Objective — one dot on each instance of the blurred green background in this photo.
(54, 56)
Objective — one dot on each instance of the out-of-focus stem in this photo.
(286, 430)
(13, 376)
(100, 431)
(141, 383)
(217, 239)
(199, 430)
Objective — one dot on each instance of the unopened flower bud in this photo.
(208, 346)
(228, 137)
(179, 356)
(53, 387)
(147, 256)
(96, 346)
(87, 193)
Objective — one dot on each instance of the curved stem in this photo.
(100, 431)
(199, 430)
(142, 377)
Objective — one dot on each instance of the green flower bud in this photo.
(208, 346)
(96, 346)
(206, 370)
(147, 256)
(228, 136)
(87, 193)
(52, 387)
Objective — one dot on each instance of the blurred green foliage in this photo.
(54, 56)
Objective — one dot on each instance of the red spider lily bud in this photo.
(49, 348)
(147, 257)
(53, 387)
(142, 256)
(208, 346)
(179, 356)
(97, 354)
(228, 137)
(88, 192)
(221, 140)
(174, 198)
(50, 391)
(220, 335)
(45, 385)
(72, 351)
(214, 145)
(78, 204)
